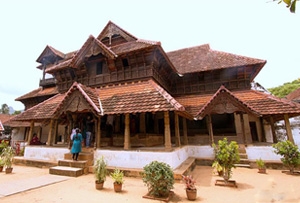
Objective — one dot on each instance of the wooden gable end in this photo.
(50, 56)
(75, 103)
(113, 35)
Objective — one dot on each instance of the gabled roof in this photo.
(257, 102)
(39, 92)
(223, 101)
(88, 93)
(112, 29)
(294, 96)
(50, 51)
(91, 47)
(3, 119)
(202, 58)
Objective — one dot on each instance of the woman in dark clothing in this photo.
(76, 147)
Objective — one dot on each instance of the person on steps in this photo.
(76, 146)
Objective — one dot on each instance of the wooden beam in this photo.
(288, 128)
(127, 132)
(210, 129)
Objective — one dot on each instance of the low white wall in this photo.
(139, 159)
(264, 152)
(52, 154)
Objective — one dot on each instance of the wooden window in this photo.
(99, 68)
(125, 62)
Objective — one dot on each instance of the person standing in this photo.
(76, 146)
(89, 126)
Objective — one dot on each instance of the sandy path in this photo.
(274, 186)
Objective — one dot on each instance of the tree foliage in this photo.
(4, 109)
(291, 4)
(289, 152)
(283, 90)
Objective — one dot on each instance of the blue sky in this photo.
(255, 28)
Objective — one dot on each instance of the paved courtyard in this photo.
(31, 184)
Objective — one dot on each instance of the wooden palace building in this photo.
(140, 97)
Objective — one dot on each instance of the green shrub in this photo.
(227, 155)
(290, 154)
(159, 178)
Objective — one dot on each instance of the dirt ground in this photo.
(274, 186)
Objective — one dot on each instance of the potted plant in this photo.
(216, 165)
(290, 154)
(100, 172)
(159, 178)
(261, 165)
(117, 175)
(191, 191)
(227, 155)
(8, 155)
(1, 164)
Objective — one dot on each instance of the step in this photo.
(243, 165)
(83, 156)
(76, 164)
(243, 156)
(185, 168)
(66, 171)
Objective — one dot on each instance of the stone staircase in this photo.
(244, 161)
(68, 167)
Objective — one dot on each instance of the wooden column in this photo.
(273, 130)
(142, 123)
(177, 132)
(39, 133)
(288, 128)
(155, 123)
(243, 128)
(168, 144)
(210, 129)
(30, 132)
(185, 137)
(127, 132)
(50, 133)
(98, 133)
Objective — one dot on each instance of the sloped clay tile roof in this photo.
(294, 96)
(202, 58)
(144, 96)
(39, 93)
(44, 110)
(132, 46)
(4, 118)
(261, 103)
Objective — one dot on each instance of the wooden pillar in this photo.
(97, 143)
(273, 130)
(30, 132)
(185, 137)
(288, 128)
(39, 133)
(168, 144)
(55, 130)
(142, 123)
(127, 132)
(177, 132)
(210, 129)
(243, 128)
(50, 133)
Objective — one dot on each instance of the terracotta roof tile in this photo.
(39, 93)
(258, 102)
(295, 95)
(202, 58)
(145, 96)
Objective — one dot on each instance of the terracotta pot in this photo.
(262, 170)
(99, 185)
(117, 187)
(191, 194)
(8, 170)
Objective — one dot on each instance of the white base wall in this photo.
(139, 159)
